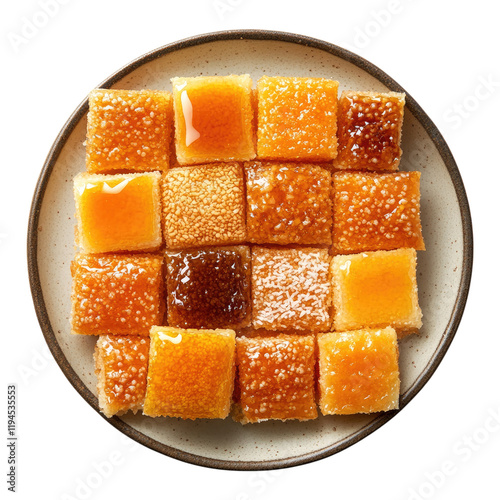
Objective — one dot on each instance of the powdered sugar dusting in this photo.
(291, 289)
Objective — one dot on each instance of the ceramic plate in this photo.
(443, 270)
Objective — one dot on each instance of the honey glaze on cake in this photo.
(369, 130)
(276, 378)
(191, 373)
(359, 371)
(376, 211)
(118, 212)
(214, 118)
(209, 288)
(297, 118)
(375, 289)
(278, 298)
(128, 130)
(288, 203)
(116, 294)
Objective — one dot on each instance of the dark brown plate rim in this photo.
(450, 330)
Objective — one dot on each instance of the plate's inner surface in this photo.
(439, 268)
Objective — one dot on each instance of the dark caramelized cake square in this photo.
(209, 287)
(369, 130)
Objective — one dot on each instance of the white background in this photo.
(446, 443)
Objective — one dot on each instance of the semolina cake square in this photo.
(116, 294)
(288, 203)
(358, 371)
(209, 287)
(276, 378)
(376, 289)
(121, 366)
(291, 289)
(214, 119)
(191, 373)
(297, 118)
(128, 130)
(118, 212)
(369, 130)
(204, 205)
(376, 211)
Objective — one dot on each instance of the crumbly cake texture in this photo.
(214, 119)
(128, 130)
(369, 130)
(376, 289)
(276, 378)
(297, 118)
(291, 289)
(118, 212)
(204, 205)
(209, 287)
(116, 294)
(358, 371)
(191, 373)
(376, 211)
(288, 203)
(121, 366)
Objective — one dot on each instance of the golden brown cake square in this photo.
(204, 205)
(128, 130)
(369, 130)
(291, 289)
(376, 211)
(116, 294)
(118, 212)
(209, 287)
(121, 366)
(288, 203)
(297, 118)
(213, 119)
(376, 289)
(276, 378)
(191, 373)
(358, 371)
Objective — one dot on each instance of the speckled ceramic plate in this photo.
(443, 270)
